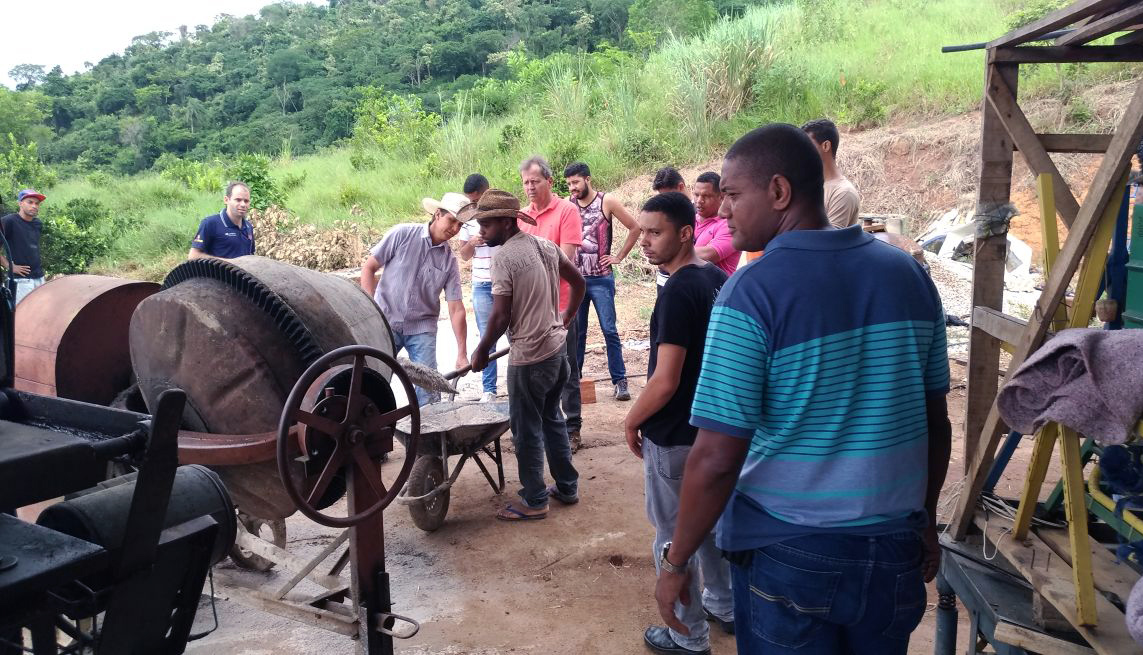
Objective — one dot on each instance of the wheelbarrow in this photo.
(469, 430)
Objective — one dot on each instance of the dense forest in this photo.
(293, 76)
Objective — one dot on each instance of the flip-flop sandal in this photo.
(510, 513)
(554, 492)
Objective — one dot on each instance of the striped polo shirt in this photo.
(822, 353)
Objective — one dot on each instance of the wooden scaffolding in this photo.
(1069, 584)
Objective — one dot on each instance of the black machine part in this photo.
(100, 515)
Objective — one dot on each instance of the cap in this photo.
(29, 193)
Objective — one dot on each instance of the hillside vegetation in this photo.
(626, 106)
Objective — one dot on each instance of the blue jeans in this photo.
(538, 426)
(422, 349)
(830, 594)
(482, 307)
(601, 292)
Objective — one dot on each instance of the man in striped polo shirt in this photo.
(823, 430)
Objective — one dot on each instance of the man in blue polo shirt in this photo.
(823, 430)
(226, 234)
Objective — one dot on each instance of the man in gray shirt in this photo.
(418, 264)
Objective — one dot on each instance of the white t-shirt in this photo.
(482, 258)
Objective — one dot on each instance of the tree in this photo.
(27, 76)
(678, 17)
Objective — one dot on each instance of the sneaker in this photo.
(575, 440)
(727, 626)
(658, 639)
(621, 392)
(488, 397)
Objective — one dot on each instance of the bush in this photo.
(75, 235)
(20, 168)
(254, 172)
(393, 123)
(195, 175)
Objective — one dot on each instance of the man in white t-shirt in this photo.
(842, 201)
(473, 248)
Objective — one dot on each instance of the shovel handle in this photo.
(461, 371)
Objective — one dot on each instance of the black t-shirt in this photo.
(681, 315)
(24, 241)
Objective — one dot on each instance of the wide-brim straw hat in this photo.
(451, 202)
(495, 203)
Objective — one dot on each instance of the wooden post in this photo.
(988, 260)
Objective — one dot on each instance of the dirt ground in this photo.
(580, 581)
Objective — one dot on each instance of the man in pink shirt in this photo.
(712, 236)
(557, 220)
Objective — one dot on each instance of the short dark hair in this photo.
(667, 178)
(235, 183)
(782, 149)
(677, 207)
(711, 178)
(577, 168)
(475, 183)
(823, 130)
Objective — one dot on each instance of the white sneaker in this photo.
(488, 397)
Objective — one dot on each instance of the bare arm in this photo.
(569, 249)
(707, 253)
(616, 209)
(468, 248)
(497, 325)
(369, 269)
(195, 253)
(460, 329)
(578, 285)
(661, 387)
(708, 480)
(940, 449)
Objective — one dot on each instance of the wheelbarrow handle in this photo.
(461, 371)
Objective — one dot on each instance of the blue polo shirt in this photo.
(218, 237)
(821, 353)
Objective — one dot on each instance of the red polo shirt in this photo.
(559, 223)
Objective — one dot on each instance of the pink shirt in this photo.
(559, 223)
(714, 233)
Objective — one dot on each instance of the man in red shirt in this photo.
(557, 220)
(712, 235)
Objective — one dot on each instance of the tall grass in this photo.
(860, 62)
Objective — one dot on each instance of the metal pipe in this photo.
(945, 640)
(980, 46)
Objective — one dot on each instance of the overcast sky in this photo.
(70, 32)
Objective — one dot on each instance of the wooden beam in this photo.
(1036, 641)
(1003, 101)
(1111, 575)
(1113, 22)
(1130, 39)
(1053, 21)
(989, 259)
(998, 324)
(1102, 192)
(1089, 143)
(1051, 576)
(1093, 54)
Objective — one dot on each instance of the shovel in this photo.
(432, 380)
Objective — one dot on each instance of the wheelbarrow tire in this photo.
(428, 473)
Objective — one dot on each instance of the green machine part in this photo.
(1133, 312)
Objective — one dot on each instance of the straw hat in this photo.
(451, 203)
(497, 204)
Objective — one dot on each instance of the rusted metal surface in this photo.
(71, 337)
(236, 335)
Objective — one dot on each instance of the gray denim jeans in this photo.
(710, 573)
(538, 426)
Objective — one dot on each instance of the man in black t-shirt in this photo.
(22, 231)
(658, 426)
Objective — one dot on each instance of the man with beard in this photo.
(594, 261)
(22, 231)
(226, 234)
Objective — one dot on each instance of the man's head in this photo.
(444, 224)
(772, 183)
(237, 199)
(28, 202)
(536, 175)
(496, 213)
(578, 177)
(474, 186)
(825, 136)
(668, 179)
(667, 221)
(707, 194)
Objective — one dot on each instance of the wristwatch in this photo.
(666, 565)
